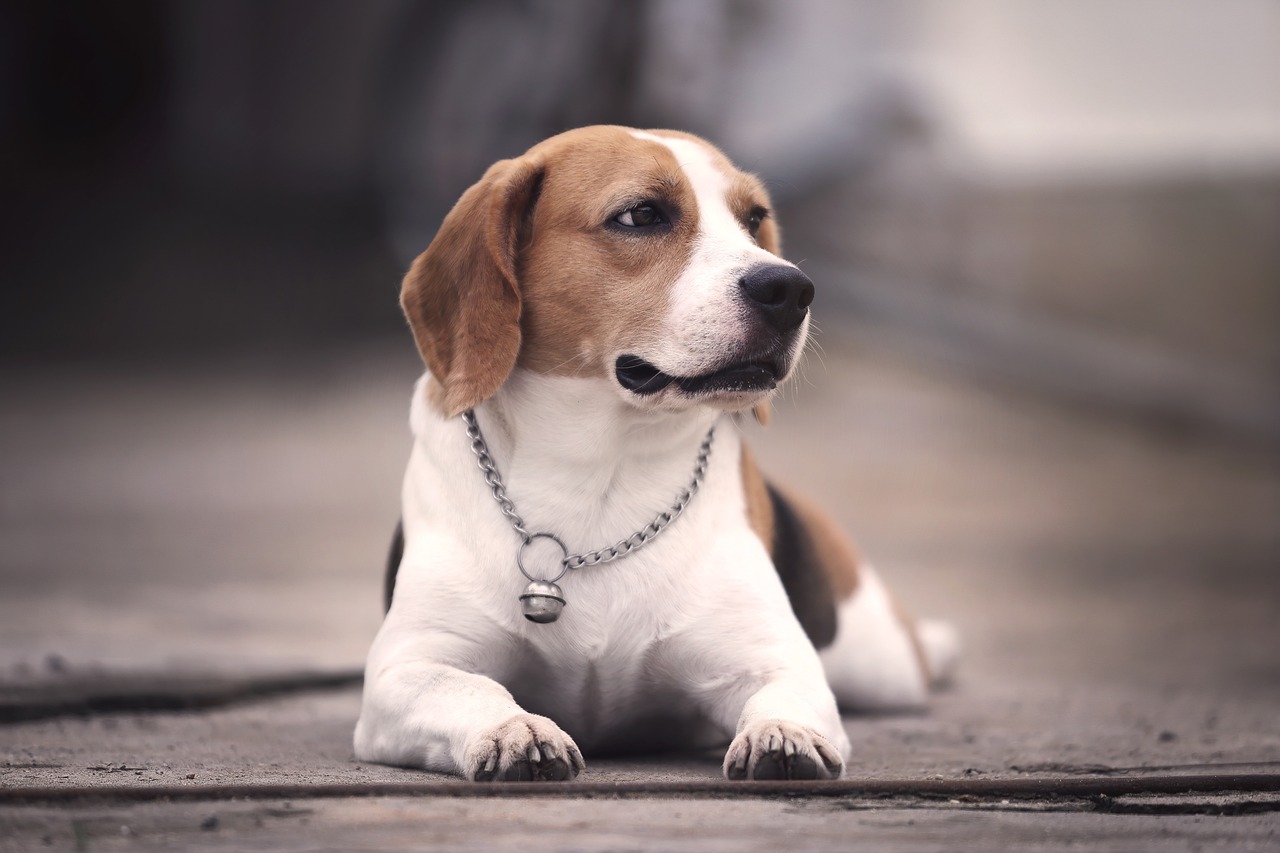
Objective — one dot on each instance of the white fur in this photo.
(684, 643)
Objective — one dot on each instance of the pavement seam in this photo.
(1061, 787)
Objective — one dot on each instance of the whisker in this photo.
(579, 357)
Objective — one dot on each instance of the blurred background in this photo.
(1046, 237)
(1084, 196)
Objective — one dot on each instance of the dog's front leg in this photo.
(421, 712)
(752, 670)
(783, 733)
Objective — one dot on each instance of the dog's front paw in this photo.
(777, 749)
(525, 748)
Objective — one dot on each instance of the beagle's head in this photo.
(643, 258)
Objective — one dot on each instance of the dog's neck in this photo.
(577, 459)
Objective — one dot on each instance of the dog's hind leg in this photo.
(874, 655)
(881, 659)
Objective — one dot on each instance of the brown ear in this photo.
(461, 295)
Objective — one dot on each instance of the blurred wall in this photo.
(1082, 197)
(1097, 90)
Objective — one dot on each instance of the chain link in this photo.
(618, 550)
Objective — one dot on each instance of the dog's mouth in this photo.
(743, 377)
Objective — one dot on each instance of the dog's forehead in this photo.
(603, 163)
(691, 151)
(697, 159)
(722, 194)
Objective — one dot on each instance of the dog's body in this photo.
(601, 303)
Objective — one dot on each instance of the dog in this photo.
(606, 306)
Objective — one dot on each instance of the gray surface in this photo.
(625, 824)
(981, 730)
(1116, 590)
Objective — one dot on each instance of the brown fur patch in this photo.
(836, 554)
(759, 507)
(799, 567)
(746, 193)
(593, 289)
(462, 297)
(814, 559)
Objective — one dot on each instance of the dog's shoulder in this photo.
(815, 560)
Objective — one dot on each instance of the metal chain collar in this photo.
(632, 543)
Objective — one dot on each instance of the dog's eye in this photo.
(640, 216)
(755, 219)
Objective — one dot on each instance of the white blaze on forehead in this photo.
(705, 317)
(710, 185)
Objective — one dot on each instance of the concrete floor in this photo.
(1116, 585)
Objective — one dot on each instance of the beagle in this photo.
(604, 305)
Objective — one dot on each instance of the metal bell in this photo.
(542, 602)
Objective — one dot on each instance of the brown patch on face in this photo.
(747, 194)
(592, 291)
(593, 288)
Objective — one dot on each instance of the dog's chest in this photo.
(609, 683)
(612, 667)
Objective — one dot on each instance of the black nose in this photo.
(782, 295)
